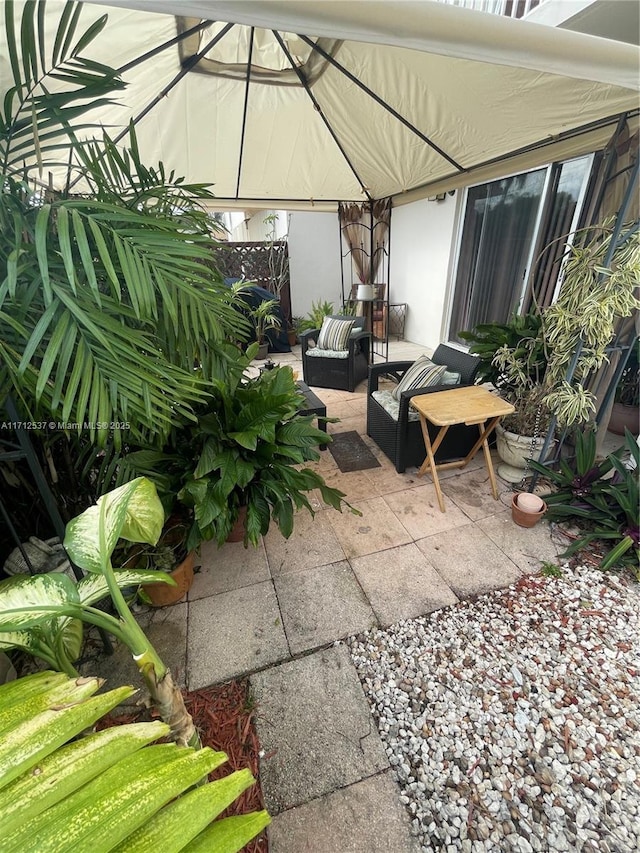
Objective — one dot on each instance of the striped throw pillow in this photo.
(423, 373)
(334, 334)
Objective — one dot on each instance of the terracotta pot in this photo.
(624, 416)
(523, 516)
(514, 450)
(238, 529)
(292, 337)
(161, 594)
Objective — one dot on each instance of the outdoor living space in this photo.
(274, 279)
(307, 620)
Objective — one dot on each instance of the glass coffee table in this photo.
(470, 406)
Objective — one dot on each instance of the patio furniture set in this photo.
(427, 413)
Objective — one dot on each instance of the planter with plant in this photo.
(263, 317)
(170, 556)
(514, 360)
(313, 320)
(247, 451)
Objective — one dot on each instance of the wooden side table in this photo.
(469, 406)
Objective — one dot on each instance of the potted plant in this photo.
(249, 451)
(313, 320)
(243, 459)
(514, 360)
(169, 556)
(625, 413)
(292, 334)
(262, 315)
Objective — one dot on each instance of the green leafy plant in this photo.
(521, 335)
(550, 570)
(246, 451)
(604, 497)
(513, 358)
(42, 604)
(313, 320)
(113, 790)
(264, 317)
(107, 295)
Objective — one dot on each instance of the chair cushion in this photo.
(316, 352)
(450, 377)
(334, 334)
(391, 405)
(423, 373)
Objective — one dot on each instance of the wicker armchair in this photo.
(401, 439)
(341, 373)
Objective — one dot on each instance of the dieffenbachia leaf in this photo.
(26, 601)
(132, 512)
(93, 588)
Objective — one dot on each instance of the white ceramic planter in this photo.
(514, 450)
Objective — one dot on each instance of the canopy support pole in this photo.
(164, 46)
(244, 111)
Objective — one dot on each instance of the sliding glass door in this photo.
(503, 227)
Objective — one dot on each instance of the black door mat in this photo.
(351, 453)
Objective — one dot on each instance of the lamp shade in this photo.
(365, 291)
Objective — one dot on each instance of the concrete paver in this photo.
(321, 605)
(315, 727)
(401, 583)
(418, 511)
(312, 543)
(366, 817)
(468, 561)
(470, 491)
(234, 633)
(528, 547)
(376, 530)
(230, 567)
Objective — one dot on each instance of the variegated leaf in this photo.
(27, 600)
(132, 511)
(93, 588)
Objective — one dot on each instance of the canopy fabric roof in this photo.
(389, 99)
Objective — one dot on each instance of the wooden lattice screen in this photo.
(266, 264)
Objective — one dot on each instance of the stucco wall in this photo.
(422, 236)
(314, 260)
(421, 251)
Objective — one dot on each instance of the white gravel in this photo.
(512, 723)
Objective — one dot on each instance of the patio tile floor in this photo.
(274, 613)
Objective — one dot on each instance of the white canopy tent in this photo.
(301, 103)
